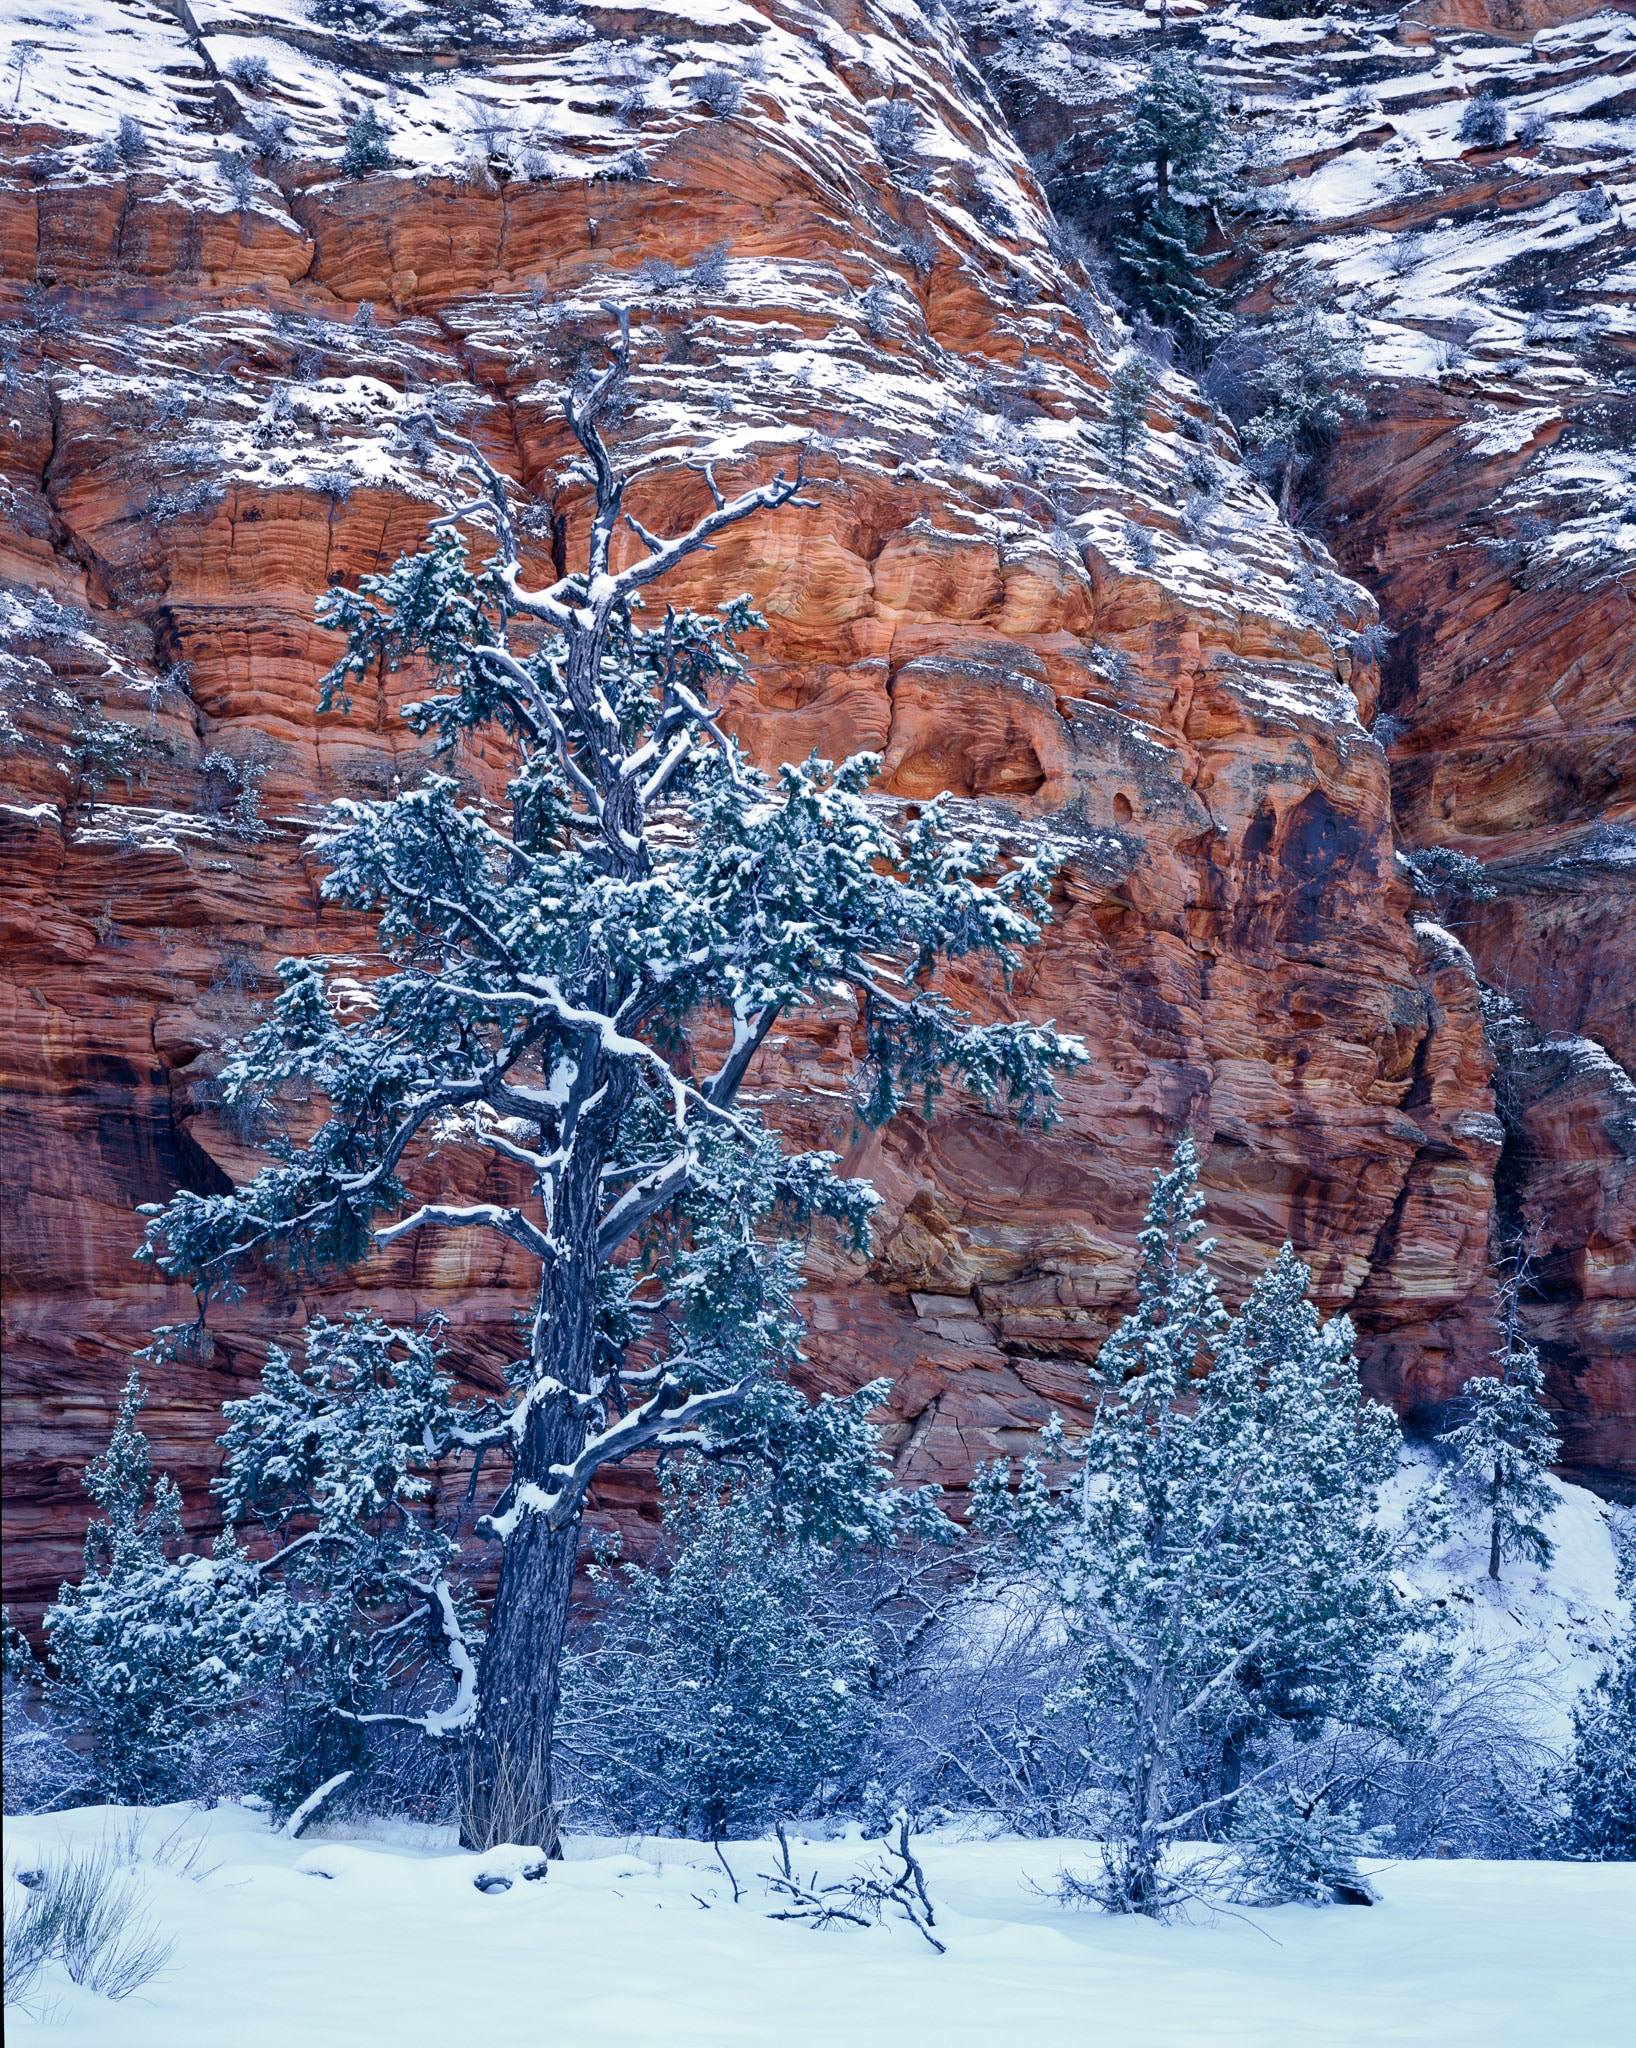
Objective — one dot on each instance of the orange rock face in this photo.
(205, 425)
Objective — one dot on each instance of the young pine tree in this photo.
(1293, 1847)
(1507, 1444)
(1301, 373)
(572, 986)
(1128, 395)
(1217, 1559)
(711, 1699)
(368, 145)
(1171, 168)
(145, 1650)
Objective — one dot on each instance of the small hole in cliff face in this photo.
(1121, 809)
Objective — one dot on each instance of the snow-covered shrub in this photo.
(708, 272)
(1598, 1786)
(1484, 123)
(41, 1768)
(919, 250)
(367, 146)
(1370, 643)
(1295, 1848)
(336, 485)
(54, 622)
(1217, 1559)
(631, 168)
(363, 318)
(962, 432)
(1595, 206)
(255, 74)
(1289, 384)
(708, 1698)
(876, 307)
(971, 1680)
(238, 174)
(271, 138)
(101, 750)
(233, 792)
(144, 1650)
(896, 131)
(132, 139)
(1470, 1777)
(1143, 550)
(188, 501)
(1535, 131)
(660, 275)
(85, 1910)
(719, 90)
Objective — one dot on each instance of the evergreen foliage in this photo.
(1445, 876)
(1483, 123)
(146, 1651)
(1294, 380)
(712, 1699)
(366, 148)
(1507, 1444)
(574, 985)
(1171, 168)
(1293, 1848)
(1128, 394)
(1216, 1559)
(1599, 1784)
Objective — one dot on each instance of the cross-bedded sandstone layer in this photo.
(208, 376)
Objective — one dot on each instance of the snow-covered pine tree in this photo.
(1171, 169)
(1293, 1846)
(145, 1649)
(574, 988)
(1129, 391)
(1507, 1443)
(368, 145)
(1217, 1558)
(1598, 1824)
(1301, 372)
(711, 1698)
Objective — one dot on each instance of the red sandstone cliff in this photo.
(199, 434)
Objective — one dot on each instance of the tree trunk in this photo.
(1494, 1527)
(507, 1794)
(1145, 1846)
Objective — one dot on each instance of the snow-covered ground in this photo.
(284, 1944)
